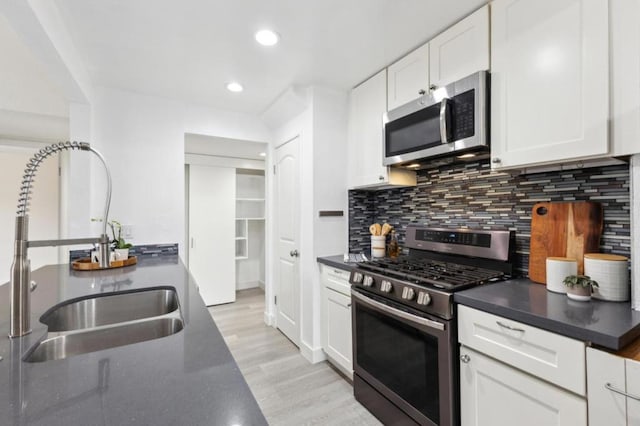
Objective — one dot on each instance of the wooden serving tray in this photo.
(86, 264)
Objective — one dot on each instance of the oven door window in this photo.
(403, 358)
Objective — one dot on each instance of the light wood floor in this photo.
(289, 390)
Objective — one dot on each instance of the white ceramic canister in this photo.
(611, 272)
(558, 268)
(378, 245)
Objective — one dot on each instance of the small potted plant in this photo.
(120, 246)
(579, 287)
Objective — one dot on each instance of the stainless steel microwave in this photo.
(451, 121)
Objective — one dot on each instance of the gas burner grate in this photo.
(441, 274)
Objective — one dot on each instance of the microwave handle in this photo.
(444, 120)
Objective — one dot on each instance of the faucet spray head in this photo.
(32, 167)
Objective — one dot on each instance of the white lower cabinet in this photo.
(613, 383)
(495, 394)
(516, 374)
(336, 318)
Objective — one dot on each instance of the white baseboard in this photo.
(248, 284)
(261, 284)
(313, 355)
(268, 319)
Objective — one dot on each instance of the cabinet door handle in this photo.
(422, 92)
(618, 391)
(465, 358)
(508, 327)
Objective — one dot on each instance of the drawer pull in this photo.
(612, 389)
(508, 327)
(339, 272)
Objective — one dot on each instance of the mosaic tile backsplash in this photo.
(472, 196)
(147, 250)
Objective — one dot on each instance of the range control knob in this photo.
(424, 298)
(386, 286)
(368, 281)
(408, 293)
(357, 278)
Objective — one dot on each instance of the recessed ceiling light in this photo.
(267, 37)
(469, 155)
(413, 166)
(263, 154)
(234, 87)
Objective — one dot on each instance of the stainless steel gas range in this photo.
(404, 327)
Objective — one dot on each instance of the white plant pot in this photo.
(122, 254)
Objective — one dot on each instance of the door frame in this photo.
(270, 314)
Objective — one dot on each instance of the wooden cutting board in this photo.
(563, 230)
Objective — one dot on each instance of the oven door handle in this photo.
(397, 312)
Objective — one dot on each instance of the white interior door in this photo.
(43, 214)
(287, 220)
(212, 207)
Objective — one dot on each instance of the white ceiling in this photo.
(189, 49)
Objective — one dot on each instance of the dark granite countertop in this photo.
(611, 325)
(188, 378)
(337, 262)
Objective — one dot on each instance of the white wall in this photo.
(300, 126)
(330, 170)
(142, 139)
(203, 120)
(322, 129)
(330, 234)
(26, 86)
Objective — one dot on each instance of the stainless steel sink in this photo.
(97, 339)
(110, 309)
(103, 322)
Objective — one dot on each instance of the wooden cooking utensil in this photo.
(386, 228)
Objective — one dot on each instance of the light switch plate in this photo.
(127, 232)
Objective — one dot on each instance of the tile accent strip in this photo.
(147, 250)
(472, 196)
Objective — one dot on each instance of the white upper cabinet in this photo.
(461, 50)
(549, 81)
(408, 78)
(367, 104)
(625, 76)
(458, 52)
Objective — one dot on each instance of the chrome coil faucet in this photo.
(21, 284)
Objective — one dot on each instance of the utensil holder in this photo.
(378, 245)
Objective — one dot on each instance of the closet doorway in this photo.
(226, 232)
